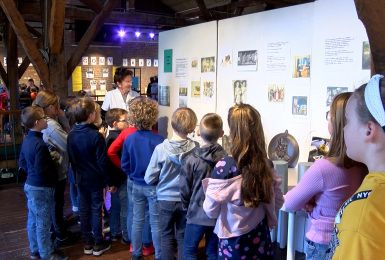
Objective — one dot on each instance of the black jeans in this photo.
(172, 225)
(58, 215)
(90, 209)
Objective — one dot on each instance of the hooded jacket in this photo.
(197, 166)
(224, 201)
(165, 167)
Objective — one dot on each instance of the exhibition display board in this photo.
(289, 63)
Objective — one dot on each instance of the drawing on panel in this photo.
(276, 93)
(301, 67)
(125, 62)
(110, 61)
(141, 62)
(85, 61)
(102, 61)
(208, 89)
(133, 63)
(226, 60)
(155, 62)
(208, 64)
(183, 91)
(299, 106)
(194, 63)
(164, 96)
(239, 90)
(365, 55)
(195, 88)
(90, 73)
(331, 92)
(148, 62)
(94, 61)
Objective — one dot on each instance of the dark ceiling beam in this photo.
(33, 31)
(56, 26)
(23, 67)
(31, 14)
(90, 34)
(203, 9)
(24, 36)
(94, 5)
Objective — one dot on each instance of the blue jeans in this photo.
(141, 195)
(73, 191)
(118, 216)
(172, 226)
(315, 251)
(147, 240)
(40, 201)
(90, 208)
(193, 235)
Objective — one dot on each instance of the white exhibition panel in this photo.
(323, 40)
(191, 43)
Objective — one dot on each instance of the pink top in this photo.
(330, 186)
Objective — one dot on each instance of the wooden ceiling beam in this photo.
(56, 26)
(203, 9)
(33, 31)
(17, 22)
(94, 5)
(23, 67)
(90, 34)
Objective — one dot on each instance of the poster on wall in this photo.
(164, 96)
(365, 55)
(331, 92)
(102, 61)
(299, 105)
(239, 91)
(195, 89)
(102, 84)
(339, 51)
(94, 61)
(125, 63)
(155, 62)
(90, 73)
(276, 93)
(194, 63)
(93, 84)
(208, 64)
(301, 66)
(208, 89)
(247, 60)
(141, 62)
(133, 62)
(181, 67)
(105, 72)
(168, 60)
(148, 62)
(110, 61)
(278, 56)
(84, 61)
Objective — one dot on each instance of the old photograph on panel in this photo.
(208, 64)
(208, 89)
(331, 92)
(299, 105)
(247, 60)
(301, 66)
(194, 63)
(226, 60)
(164, 96)
(195, 88)
(276, 93)
(365, 55)
(240, 91)
(183, 91)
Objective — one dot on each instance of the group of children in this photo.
(181, 191)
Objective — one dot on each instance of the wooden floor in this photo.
(13, 235)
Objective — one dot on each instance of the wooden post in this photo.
(12, 70)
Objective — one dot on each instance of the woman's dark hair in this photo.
(121, 73)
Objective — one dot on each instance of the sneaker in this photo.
(58, 256)
(88, 249)
(35, 255)
(148, 250)
(115, 238)
(101, 248)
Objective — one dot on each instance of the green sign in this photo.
(168, 60)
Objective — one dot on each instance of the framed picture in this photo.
(102, 61)
(155, 62)
(148, 62)
(84, 61)
(125, 62)
(94, 61)
(133, 63)
(141, 62)
(110, 61)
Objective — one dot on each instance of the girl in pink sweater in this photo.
(243, 193)
(327, 184)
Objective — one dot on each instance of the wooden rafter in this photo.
(33, 31)
(23, 67)
(94, 5)
(17, 22)
(56, 26)
(204, 11)
(372, 16)
(3, 73)
(91, 32)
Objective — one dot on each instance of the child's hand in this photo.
(112, 189)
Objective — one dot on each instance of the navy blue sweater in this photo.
(137, 152)
(87, 154)
(36, 161)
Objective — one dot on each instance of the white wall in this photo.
(300, 30)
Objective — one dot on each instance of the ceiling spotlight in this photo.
(137, 34)
(122, 33)
(152, 35)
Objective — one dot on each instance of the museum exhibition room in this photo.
(260, 127)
